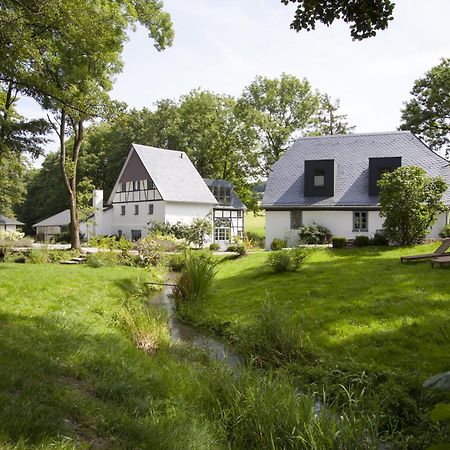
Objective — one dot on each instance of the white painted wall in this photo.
(186, 212)
(8, 227)
(130, 221)
(339, 222)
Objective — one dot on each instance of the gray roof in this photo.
(174, 175)
(351, 152)
(58, 220)
(236, 202)
(8, 221)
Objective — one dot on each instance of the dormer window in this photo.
(379, 166)
(319, 178)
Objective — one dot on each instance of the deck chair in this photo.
(440, 251)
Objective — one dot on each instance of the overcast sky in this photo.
(221, 45)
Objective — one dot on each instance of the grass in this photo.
(361, 318)
(255, 224)
(85, 363)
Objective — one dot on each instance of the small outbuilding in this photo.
(8, 224)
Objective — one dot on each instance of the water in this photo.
(180, 332)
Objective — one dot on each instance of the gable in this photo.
(133, 170)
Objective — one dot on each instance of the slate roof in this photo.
(236, 202)
(58, 220)
(8, 221)
(174, 175)
(351, 152)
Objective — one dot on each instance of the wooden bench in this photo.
(440, 251)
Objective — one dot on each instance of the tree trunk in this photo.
(74, 224)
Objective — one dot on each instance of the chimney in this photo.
(97, 203)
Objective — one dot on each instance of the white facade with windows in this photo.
(332, 181)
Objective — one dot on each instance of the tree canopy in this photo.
(410, 201)
(427, 114)
(365, 17)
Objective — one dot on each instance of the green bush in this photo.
(338, 242)
(176, 262)
(102, 259)
(214, 247)
(10, 256)
(278, 244)
(237, 248)
(445, 231)
(286, 260)
(110, 242)
(314, 234)
(362, 241)
(255, 240)
(62, 238)
(379, 239)
(38, 256)
(196, 278)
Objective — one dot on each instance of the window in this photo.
(122, 210)
(150, 184)
(360, 221)
(150, 208)
(123, 187)
(319, 178)
(135, 185)
(239, 213)
(135, 235)
(222, 194)
(136, 210)
(296, 220)
(119, 233)
(222, 234)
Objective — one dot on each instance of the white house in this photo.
(332, 181)
(8, 224)
(158, 186)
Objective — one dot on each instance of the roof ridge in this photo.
(150, 147)
(375, 133)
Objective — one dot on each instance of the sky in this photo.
(222, 45)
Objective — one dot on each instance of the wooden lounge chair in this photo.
(440, 251)
(441, 261)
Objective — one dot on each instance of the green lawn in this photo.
(255, 224)
(361, 304)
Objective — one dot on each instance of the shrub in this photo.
(11, 235)
(379, 239)
(14, 257)
(196, 279)
(410, 202)
(36, 256)
(314, 234)
(62, 238)
(339, 242)
(176, 262)
(278, 244)
(286, 260)
(362, 241)
(214, 247)
(254, 240)
(102, 259)
(445, 231)
(237, 248)
(110, 242)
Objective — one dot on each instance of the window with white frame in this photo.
(122, 210)
(360, 221)
(296, 220)
(150, 208)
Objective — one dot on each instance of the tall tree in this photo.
(277, 110)
(71, 51)
(427, 114)
(13, 173)
(329, 120)
(365, 17)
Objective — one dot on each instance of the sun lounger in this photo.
(441, 261)
(440, 251)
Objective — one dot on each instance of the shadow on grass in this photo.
(59, 382)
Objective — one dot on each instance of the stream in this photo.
(180, 332)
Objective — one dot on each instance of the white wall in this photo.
(186, 212)
(339, 222)
(130, 221)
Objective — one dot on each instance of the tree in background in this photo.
(410, 201)
(427, 114)
(365, 17)
(65, 54)
(330, 121)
